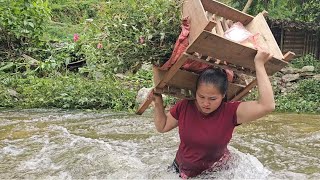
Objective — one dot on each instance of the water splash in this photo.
(88, 145)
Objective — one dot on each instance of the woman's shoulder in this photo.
(180, 107)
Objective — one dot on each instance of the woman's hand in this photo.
(262, 57)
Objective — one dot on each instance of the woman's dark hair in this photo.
(216, 77)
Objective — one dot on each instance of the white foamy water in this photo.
(78, 145)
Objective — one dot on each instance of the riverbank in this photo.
(90, 55)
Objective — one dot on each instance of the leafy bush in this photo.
(22, 22)
(294, 103)
(308, 60)
(304, 99)
(128, 33)
(305, 11)
(71, 91)
(309, 90)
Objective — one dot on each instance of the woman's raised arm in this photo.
(252, 110)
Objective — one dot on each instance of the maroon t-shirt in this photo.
(203, 138)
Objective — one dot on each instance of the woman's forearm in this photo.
(160, 117)
(266, 97)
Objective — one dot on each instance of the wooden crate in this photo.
(209, 19)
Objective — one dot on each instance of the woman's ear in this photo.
(224, 98)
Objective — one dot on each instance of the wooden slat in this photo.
(145, 104)
(187, 80)
(246, 71)
(220, 48)
(233, 90)
(265, 39)
(245, 91)
(198, 18)
(172, 71)
(289, 56)
(225, 24)
(210, 25)
(182, 79)
(220, 9)
(219, 28)
(162, 83)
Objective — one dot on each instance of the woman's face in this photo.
(208, 98)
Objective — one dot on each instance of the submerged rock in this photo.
(142, 95)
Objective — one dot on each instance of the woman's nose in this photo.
(206, 103)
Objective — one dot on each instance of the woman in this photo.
(206, 124)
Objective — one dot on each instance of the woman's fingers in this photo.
(263, 56)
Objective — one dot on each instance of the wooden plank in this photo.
(220, 9)
(294, 33)
(214, 31)
(172, 71)
(265, 39)
(210, 25)
(159, 85)
(245, 91)
(187, 80)
(182, 79)
(219, 28)
(197, 16)
(209, 44)
(281, 37)
(145, 104)
(225, 24)
(294, 43)
(239, 71)
(289, 56)
(233, 90)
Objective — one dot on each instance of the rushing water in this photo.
(56, 144)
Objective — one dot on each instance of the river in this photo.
(59, 144)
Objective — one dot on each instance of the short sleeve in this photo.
(232, 107)
(177, 108)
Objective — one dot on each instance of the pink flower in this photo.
(76, 37)
(99, 46)
(141, 40)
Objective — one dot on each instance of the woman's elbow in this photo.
(161, 131)
(270, 107)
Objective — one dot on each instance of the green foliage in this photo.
(5, 99)
(71, 91)
(309, 90)
(114, 36)
(308, 60)
(291, 103)
(306, 11)
(75, 11)
(143, 78)
(130, 32)
(304, 99)
(309, 12)
(22, 22)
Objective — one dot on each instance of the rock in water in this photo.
(142, 94)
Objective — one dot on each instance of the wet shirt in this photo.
(203, 138)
